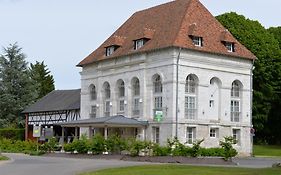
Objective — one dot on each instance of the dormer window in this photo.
(110, 50)
(139, 43)
(229, 46)
(197, 41)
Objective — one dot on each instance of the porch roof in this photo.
(112, 121)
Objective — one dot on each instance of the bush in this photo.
(81, 145)
(12, 133)
(195, 150)
(115, 144)
(17, 146)
(50, 146)
(229, 151)
(212, 152)
(69, 147)
(97, 144)
(178, 149)
(136, 146)
(161, 150)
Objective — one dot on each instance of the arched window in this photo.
(121, 95)
(93, 92)
(235, 103)
(157, 96)
(107, 104)
(190, 106)
(136, 97)
(157, 84)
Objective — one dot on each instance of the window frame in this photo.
(156, 134)
(197, 41)
(192, 133)
(230, 46)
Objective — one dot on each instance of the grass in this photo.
(267, 150)
(3, 158)
(185, 170)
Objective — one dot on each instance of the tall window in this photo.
(190, 135)
(107, 103)
(121, 95)
(235, 103)
(157, 92)
(155, 134)
(93, 113)
(190, 97)
(236, 135)
(136, 97)
(93, 92)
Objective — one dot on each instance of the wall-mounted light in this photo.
(125, 102)
(110, 103)
(140, 100)
(97, 105)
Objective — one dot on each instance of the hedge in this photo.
(12, 133)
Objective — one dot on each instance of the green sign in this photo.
(158, 116)
(36, 131)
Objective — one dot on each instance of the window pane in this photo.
(190, 107)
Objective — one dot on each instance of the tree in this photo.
(16, 87)
(267, 73)
(41, 75)
(276, 32)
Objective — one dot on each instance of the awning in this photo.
(112, 121)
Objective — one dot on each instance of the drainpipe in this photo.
(251, 105)
(177, 93)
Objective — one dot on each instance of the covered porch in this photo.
(107, 126)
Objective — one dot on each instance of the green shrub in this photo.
(69, 147)
(177, 148)
(81, 145)
(97, 144)
(161, 150)
(229, 151)
(195, 150)
(50, 146)
(212, 152)
(115, 144)
(12, 133)
(16, 146)
(136, 146)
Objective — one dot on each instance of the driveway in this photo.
(21, 164)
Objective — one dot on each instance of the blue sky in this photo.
(63, 32)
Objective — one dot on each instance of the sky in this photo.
(63, 32)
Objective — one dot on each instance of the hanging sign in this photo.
(36, 131)
(158, 116)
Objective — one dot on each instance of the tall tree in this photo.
(276, 31)
(41, 75)
(267, 73)
(16, 87)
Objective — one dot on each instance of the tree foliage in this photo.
(20, 85)
(276, 32)
(16, 87)
(267, 72)
(43, 80)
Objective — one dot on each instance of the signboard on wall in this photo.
(36, 131)
(158, 116)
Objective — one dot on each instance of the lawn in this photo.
(185, 170)
(267, 150)
(3, 158)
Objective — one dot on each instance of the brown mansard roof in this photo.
(170, 25)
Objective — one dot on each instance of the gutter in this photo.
(177, 93)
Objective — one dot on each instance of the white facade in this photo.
(210, 105)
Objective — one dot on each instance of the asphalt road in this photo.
(33, 165)
(21, 164)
